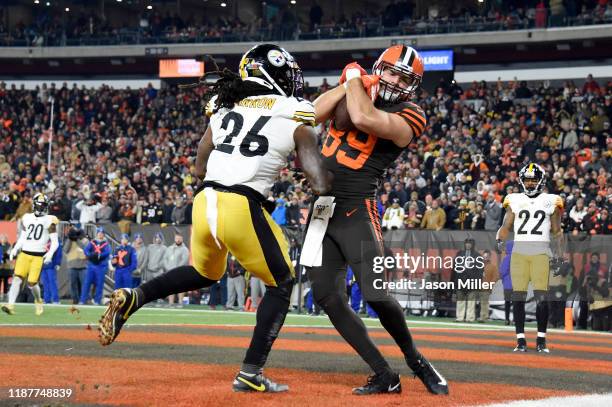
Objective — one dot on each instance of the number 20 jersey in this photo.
(36, 229)
(252, 140)
(359, 160)
(532, 215)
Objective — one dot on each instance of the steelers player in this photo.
(257, 120)
(533, 216)
(36, 230)
(385, 122)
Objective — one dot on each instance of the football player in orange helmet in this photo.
(385, 122)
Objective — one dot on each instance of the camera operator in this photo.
(76, 260)
(595, 295)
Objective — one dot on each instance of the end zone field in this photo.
(189, 357)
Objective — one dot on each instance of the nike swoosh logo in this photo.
(442, 381)
(349, 213)
(393, 388)
(261, 387)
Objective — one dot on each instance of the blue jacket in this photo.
(504, 268)
(56, 260)
(125, 258)
(97, 252)
(280, 214)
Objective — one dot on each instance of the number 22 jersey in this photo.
(252, 140)
(359, 160)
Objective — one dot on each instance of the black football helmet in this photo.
(532, 171)
(40, 203)
(273, 67)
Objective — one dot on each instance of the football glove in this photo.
(556, 265)
(48, 258)
(13, 253)
(371, 85)
(352, 65)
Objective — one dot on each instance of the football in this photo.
(342, 119)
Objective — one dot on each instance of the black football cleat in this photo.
(386, 383)
(521, 346)
(433, 381)
(246, 383)
(119, 308)
(541, 346)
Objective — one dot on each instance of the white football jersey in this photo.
(252, 140)
(532, 220)
(36, 232)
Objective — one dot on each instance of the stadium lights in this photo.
(223, 4)
(36, 1)
(481, 1)
(47, 4)
(149, 7)
(67, 9)
(293, 2)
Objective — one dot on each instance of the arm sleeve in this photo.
(54, 243)
(105, 252)
(87, 249)
(300, 112)
(133, 260)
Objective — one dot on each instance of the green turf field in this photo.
(195, 315)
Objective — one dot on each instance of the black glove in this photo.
(499, 246)
(555, 264)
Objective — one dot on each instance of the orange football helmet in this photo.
(405, 62)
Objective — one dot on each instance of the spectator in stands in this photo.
(463, 219)
(593, 282)
(576, 215)
(76, 260)
(156, 253)
(59, 206)
(125, 261)
(590, 86)
(493, 212)
(178, 213)
(48, 277)
(258, 289)
(142, 257)
(434, 218)
(235, 284)
(394, 216)
(176, 255)
(398, 193)
(97, 251)
(293, 213)
(104, 214)
(88, 209)
(413, 217)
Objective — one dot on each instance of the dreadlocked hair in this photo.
(229, 89)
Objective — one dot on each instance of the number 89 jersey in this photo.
(532, 215)
(252, 140)
(36, 229)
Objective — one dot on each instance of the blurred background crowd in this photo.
(127, 156)
(296, 22)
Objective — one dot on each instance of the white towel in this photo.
(312, 249)
(211, 212)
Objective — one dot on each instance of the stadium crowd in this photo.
(127, 155)
(286, 23)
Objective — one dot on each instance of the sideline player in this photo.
(358, 158)
(533, 215)
(258, 119)
(37, 230)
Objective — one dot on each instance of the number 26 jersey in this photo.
(252, 140)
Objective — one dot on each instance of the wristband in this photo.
(352, 73)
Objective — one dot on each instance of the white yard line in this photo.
(589, 400)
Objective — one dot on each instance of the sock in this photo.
(541, 337)
(271, 314)
(519, 316)
(354, 332)
(542, 316)
(36, 292)
(251, 370)
(392, 318)
(14, 290)
(177, 280)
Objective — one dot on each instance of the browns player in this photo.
(384, 123)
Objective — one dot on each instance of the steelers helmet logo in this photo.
(276, 58)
